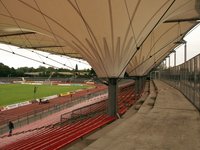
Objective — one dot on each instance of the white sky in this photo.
(11, 60)
(16, 61)
(193, 47)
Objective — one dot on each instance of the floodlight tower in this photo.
(182, 41)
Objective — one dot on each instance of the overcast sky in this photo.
(193, 47)
(12, 60)
(16, 61)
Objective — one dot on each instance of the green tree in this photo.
(92, 72)
(4, 70)
(76, 67)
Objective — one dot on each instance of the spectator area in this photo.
(172, 122)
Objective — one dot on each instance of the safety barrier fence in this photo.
(84, 112)
(186, 78)
(64, 79)
(30, 117)
(39, 114)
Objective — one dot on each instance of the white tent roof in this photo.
(106, 33)
(158, 45)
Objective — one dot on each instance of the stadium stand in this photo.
(58, 137)
(79, 123)
(27, 112)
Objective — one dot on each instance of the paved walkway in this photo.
(169, 123)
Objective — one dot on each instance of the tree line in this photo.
(6, 71)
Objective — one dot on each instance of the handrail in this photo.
(32, 116)
(84, 111)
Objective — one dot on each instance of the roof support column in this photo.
(165, 63)
(112, 96)
(185, 51)
(174, 58)
(139, 84)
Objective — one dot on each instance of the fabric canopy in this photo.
(160, 44)
(112, 35)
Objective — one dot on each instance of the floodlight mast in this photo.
(173, 51)
(185, 51)
(185, 48)
(174, 58)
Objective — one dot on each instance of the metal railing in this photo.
(32, 116)
(186, 78)
(83, 112)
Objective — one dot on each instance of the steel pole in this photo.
(185, 52)
(174, 58)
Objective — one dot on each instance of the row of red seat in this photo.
(28, 110)
(89, 111)
(126, 98)
(58, 137)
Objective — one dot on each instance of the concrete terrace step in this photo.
(172, 124)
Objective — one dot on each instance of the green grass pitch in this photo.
(15, 93)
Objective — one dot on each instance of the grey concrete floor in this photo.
(169, 122)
